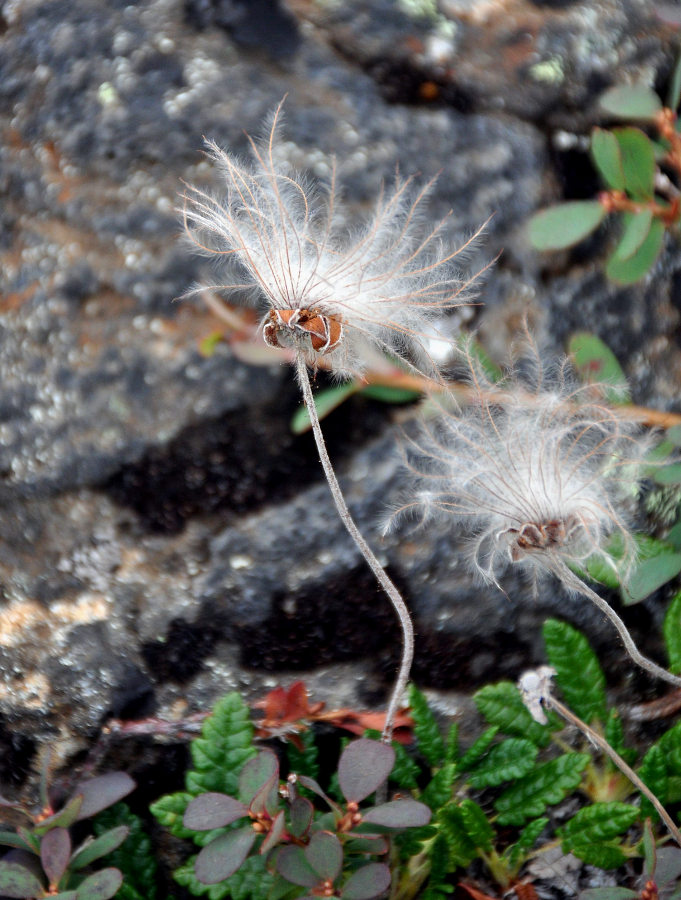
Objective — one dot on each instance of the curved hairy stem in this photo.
(568, 577)
(625, 769)
(398, 603)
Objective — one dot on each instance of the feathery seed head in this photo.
(333, 294)
(538, 468)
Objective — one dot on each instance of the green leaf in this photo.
(605, 150)
(11, 839)
(502, 705)
(386, 394)
(597, 823)
(426, 729)
(438, 791)
(225, 745)
(566, 224)
(653, 773)
(635, 229)
(670, 474)
(671, 630)
(674, 92)
(325, 402)
(595, 362)
(169, 811)
(452, 744)
(638, 162)
(516, 853)
(547, 784)
(604, 856)
(631, 101)
(452, 826)
(439, 869)
(477, 749)
(506, 761)
(17, 881)
(479, 830)
(304, 761)
(614, 735)
(106, 843)
(578, 672)
(405, 772)
(629, 270)
(135, 858)
(651, 573)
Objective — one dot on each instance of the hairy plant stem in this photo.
(601, 742)
(398, 603)
(568, 577)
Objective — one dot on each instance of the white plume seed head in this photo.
(331, 293)
(538, 469)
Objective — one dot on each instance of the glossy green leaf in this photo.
(607, 157)
(399, 814)
(629, 270)
(614, 735)
(650, 574)
(213, 810)
(671, 630)
(100, 885)
(96, 848)
(597, 823)
(502, 705)
(387, 394)
(670, 474)
(325, 855)
(479, 830)
(325, 402)
(370, 881)
(635, 229)
(578, 671)
(426, 729)
(223, 856)
(566, 224)
(638, 162)
(11, 839)
(547, 784)
(653, 773)
(438, 791)
(631, 101)
(169, 811)
(595, 362)
(478, 749)
(527, 838)
(506, 761)
(63, 818)
(17, 881)
(603, 856)
(364, 765)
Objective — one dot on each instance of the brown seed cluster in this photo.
(325, 332)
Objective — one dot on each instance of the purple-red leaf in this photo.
(102, 792)
(212, 810)
(294, 867)
(301, 811)
(223, 856)
(367, 882)
(274, 834)
(364, 766)
(325, 855)
(55, 850)
(100, 886)
(398, 814)
(267, 798)
(312, 785)
(255, 773)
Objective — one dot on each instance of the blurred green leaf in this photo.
(564, 225)
(426, 730)
(634, 232)
(671, 630)
(650, 574)
(638, 162)
(670, 474)
(325, 401)
(627, 271)
(595, 361)
(387, 394)
(631, 101)
(674, 92)
(607, 157)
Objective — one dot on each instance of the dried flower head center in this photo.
(540, 536)
(325, 332)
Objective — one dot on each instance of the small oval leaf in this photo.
(101, 885)
(325, 402)
(367, 882)
(399, 814)
(55, 850)
(256, 773)
(595, 362)
(363, 766)
(629, 270)
(17, 881)
(638, 162)
(566, 224)
(212, 810)
(631, 101)
(223, 856)
(294, 867)
(325, 855)
(274, 835)
(301, 812)
(94, 849)
(607, 157)
(650, 574)
(103, 791)
(634, 232)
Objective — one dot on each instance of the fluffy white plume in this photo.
(330, 293)
(541, 471)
